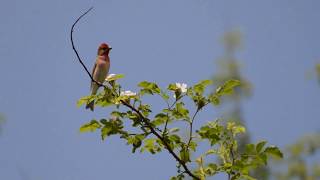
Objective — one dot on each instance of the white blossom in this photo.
(182, 87)
(109, 77)
(127, 93)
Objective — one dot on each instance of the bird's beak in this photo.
(110, 49)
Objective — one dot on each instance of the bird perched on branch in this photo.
(100, 70)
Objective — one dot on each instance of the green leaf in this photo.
(136, 141)
(214, 99)
(247, 177)
(250, 149)
(90, 127)
(105, 131)
(273, 150)
(85, 100)
(159, 119)
(211, 151)
(180, 112)
(106, 98)
(235, 129)
(145, 109)
(185, 155)
(193, 145)
(116, 77)
(260, 145)
(134, 117)
(151, 146)
(227, 87)
(232, 83)
(111, 127)
(175, 138)
(211, 131)
(263, 157)
(164, 95)
(200, 101)
(211, 169)
(179, 177)
(117, 114)
(172, 87)
(200, 87)
(149, 87)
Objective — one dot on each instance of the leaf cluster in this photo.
(154, 131)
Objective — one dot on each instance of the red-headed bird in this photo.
(100, 70)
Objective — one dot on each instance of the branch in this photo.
(74, 48)
(169, 107)
(144, 119)
(232, 157)
(191, 124)
(153, 131)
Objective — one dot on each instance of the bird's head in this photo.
(104, 49)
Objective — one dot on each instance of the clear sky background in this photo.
(157, 40)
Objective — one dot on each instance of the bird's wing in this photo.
(94, 68)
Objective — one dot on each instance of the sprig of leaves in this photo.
(151, 131)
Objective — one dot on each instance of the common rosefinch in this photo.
(100, 70)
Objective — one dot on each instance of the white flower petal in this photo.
(110, 76)
(182, 87)
(127, 93)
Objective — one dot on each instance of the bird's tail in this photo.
(90, 106)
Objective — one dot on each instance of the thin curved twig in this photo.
(191, 124)
(75, 50)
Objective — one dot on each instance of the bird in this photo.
(100, 70)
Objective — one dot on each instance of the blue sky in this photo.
(164, 41)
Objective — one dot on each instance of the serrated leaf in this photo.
(227, 87)
(232, 83)
(90, 127)
(260, 145)
(149, 87)
(200, 87)
(273, 150)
